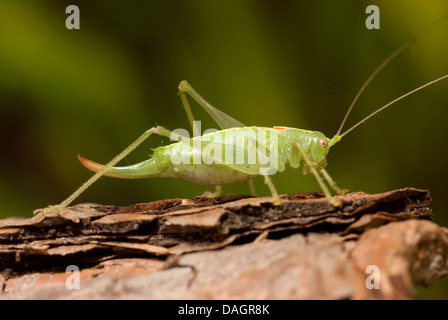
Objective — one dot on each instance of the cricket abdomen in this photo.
(212, 174)
(193, 164)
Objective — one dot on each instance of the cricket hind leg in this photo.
(320, 181)
(155, 130)
(183, 88)
(186, 105)
(223, 120)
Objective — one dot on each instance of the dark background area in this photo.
(292, 63)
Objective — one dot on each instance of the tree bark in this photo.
(372, 247)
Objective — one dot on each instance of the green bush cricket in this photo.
(290, 146)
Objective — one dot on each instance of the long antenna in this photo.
(392, 102)
(411, 40)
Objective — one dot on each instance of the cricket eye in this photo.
(323, 143)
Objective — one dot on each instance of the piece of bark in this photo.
(216, 248)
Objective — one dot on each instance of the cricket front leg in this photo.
(320, 181)
(332, 183)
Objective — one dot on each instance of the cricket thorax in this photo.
(314, 145)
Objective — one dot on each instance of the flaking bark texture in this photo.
(228, 248)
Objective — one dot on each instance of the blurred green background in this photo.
(293, 63)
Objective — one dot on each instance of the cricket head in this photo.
(334, 140)
(319, 147)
